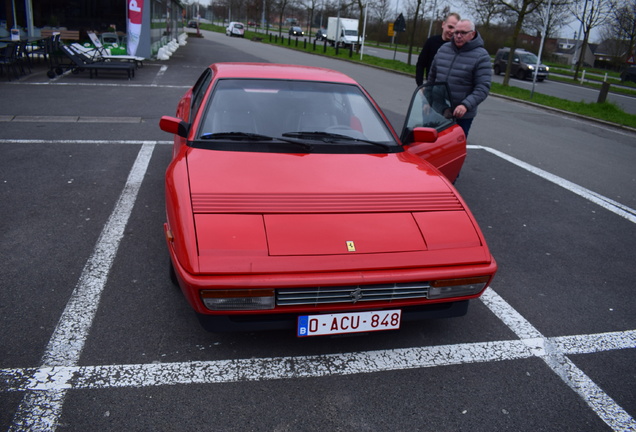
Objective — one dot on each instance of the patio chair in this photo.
(110, 38)
(104, 54)
(80, 62)
(9, 59)
(22, 56)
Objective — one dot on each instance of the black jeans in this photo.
(465, 124)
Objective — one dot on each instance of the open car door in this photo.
(430, 131)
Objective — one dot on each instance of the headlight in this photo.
(239, 299)
(547, 69)
(457, 287)
(531, 67)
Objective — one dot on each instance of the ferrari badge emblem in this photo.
(356, 295)
(351, 247)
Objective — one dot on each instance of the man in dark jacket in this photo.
(464, 64)
(431, 46)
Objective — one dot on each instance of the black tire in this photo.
(521, 74)
(497, 70)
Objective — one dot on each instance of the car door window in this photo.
(430, 107)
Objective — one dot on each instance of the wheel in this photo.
(497, 70)
(50, 74)
(59, 71)
(521, 74)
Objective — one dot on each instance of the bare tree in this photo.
(413, 28)
(311, 6)
(623, 22)
(591, 14)
(281, 5)
(519, 9)
(486, 12)
(382, 9)
(559, 16)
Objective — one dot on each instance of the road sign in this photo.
(400, 24)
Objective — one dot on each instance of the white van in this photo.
(235, 29)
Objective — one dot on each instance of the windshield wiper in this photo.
(247, 136)
(239, 136)
(333, 137)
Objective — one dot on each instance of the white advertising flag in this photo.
(135, 9)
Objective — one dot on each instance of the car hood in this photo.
(252, 210)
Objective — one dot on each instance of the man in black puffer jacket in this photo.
(465, 65)
(431, 46)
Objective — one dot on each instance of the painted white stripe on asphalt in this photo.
(604, 406)
(162, 70)
(46, 386)
(259, 369)
(54, 83)
(67, 342)
(606, 203)
(101, 142)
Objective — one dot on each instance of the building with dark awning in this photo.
(145, 25)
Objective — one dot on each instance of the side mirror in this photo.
(174, 126)
(424, 135)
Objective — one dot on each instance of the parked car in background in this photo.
(291, 203)
(523, 65)
(296, 31)
(629, 74)
(235, 29)
(321, 35)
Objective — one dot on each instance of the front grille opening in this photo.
(351, 294)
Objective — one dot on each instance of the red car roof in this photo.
(278, 71)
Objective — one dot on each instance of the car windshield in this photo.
(276, 115)
(238, 26)
(529, 58)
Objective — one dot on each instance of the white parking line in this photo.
(604, 406)
(606, 203)
(259, 369)
(45, 387)
(42, 409)
(162, 70)
(100, 142)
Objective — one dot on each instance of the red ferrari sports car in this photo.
(292, 203)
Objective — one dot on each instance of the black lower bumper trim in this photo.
(248, 323)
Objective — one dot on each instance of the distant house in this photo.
(532, 43)
(567, 52)
(611, 54)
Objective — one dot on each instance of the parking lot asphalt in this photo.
(543, 350)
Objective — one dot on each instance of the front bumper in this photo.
(246, 323)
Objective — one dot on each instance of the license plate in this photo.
(350, 322)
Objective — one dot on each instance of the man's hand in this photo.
(460, 110)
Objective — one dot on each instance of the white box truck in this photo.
(348, 31)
